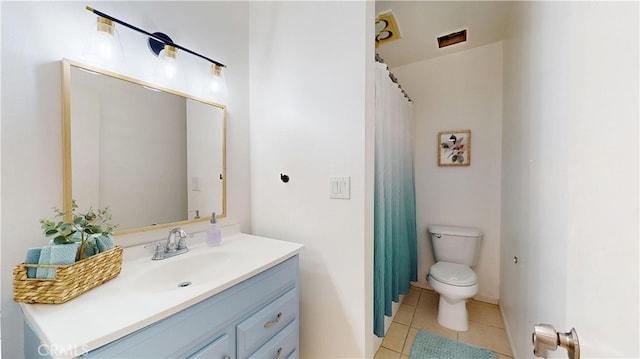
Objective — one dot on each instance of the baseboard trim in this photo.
(490, 300)
(506, 329)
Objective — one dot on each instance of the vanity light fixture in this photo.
(166, 64)
(218, 82)
(161, 45)
(168, 55)
(104, 43)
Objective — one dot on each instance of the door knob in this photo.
(546, 338)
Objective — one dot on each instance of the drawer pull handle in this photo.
(273, 322)
(278, 354)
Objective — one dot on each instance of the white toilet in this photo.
(455, 250)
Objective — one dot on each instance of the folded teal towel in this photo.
(105, 243)
(45, 257)
(58, 254)
(63, 254)
(89, 250)
(90, 245)
(33, 256)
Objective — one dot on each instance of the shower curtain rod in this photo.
(392, 77)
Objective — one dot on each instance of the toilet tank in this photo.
(455, 244)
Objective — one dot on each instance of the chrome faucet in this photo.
(175, 244)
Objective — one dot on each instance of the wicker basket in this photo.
(70, 280)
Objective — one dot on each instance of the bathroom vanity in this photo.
(236, 300)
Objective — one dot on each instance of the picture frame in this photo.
(454, 148)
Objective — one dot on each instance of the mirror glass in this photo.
(156, 157)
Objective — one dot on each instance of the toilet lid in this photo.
(453, 273)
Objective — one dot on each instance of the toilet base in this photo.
(453, 314)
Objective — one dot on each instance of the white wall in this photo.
(311, 80)
(604, 203)
(32, 108)
(1, 210)
(456, 92)
(570, 175)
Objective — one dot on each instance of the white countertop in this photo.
(132, 300)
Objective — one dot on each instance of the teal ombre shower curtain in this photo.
(395, 247)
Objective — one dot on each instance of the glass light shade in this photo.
(103, 45)
(218, 85)
(166, 66)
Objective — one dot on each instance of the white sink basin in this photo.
(196, 267)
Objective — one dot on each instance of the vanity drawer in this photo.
(218, 349)
(268, 321)
(282, 345)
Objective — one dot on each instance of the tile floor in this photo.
(419, 310)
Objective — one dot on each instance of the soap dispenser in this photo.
(214, 234)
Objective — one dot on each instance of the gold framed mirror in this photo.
(155, 156)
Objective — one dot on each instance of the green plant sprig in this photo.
(86, 224)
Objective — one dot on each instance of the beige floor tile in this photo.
(485, 313)
(412, 297)
(428, 299)
(384, 353)
(419, 310)
(410, 337)
(404, 314)
(427, 319)
(486, 336)
(394, 339)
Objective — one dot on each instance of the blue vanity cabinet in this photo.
(253, 318)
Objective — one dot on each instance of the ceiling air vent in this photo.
(453, 38)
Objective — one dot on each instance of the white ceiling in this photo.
(422, 22)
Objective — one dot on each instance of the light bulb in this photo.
(218, 85)
(103, 45)
(167, 58)
(166, 69)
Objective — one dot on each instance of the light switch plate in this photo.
(196, 183)
(340, 187)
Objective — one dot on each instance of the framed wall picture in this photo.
(454, 148)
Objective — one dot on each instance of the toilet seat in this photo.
(453, 274)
